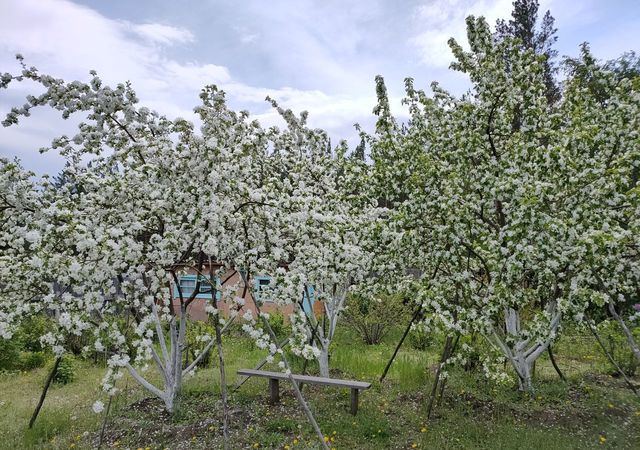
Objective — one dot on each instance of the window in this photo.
(260, 284)
(188, 284)
(308, 299)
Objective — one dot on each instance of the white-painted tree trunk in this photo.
(324, 334)
(169, 364)
(521, 352)
(323, 359)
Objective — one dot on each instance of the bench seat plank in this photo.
(306, 379)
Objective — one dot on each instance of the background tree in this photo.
(539, 37)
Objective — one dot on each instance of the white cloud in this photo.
(445, 19)
(161, 34)
(248, 38)
(315, 56)
(439, 20)
(247, 35)
(67, 40)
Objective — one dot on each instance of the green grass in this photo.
(475, 413)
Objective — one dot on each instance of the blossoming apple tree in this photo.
(155, 199)
(604, 106)
(490, 196)
(323, 214)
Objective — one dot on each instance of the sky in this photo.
(320, 56)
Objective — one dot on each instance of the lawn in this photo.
(591, 410)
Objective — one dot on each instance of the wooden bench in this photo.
(275, 377)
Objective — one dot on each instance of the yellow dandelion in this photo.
(423, 430)
(414, 445)
(295, 441)
(326, 438)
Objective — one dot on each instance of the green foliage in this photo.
(31, 329)
(279, 324)
(372, 318)
(617, 345)
(483, 414)
(32, 360)
(9, 354)
(421, 338)
(199, 334)
(24, 350)
(66, 372)
(75, 344)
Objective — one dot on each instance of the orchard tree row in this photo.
(506, 212)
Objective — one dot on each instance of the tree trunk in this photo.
(443, 383)
(323, 360)
(169, 399)
(555, 365)
(523, 369)
(294, 384)
(523, 354)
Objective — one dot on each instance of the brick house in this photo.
(196, 310)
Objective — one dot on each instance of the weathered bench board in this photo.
(275, 377)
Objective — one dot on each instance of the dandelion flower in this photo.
(98, 407)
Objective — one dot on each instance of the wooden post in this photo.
(436, 381)
(52, 374)
(104, 422)
(354, 401)
(274, 389)
(395, 352)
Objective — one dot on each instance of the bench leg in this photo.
(274, 390)
(354, 401)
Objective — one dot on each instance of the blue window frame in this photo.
(259, 284)
(188, 284)
(308, 300)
